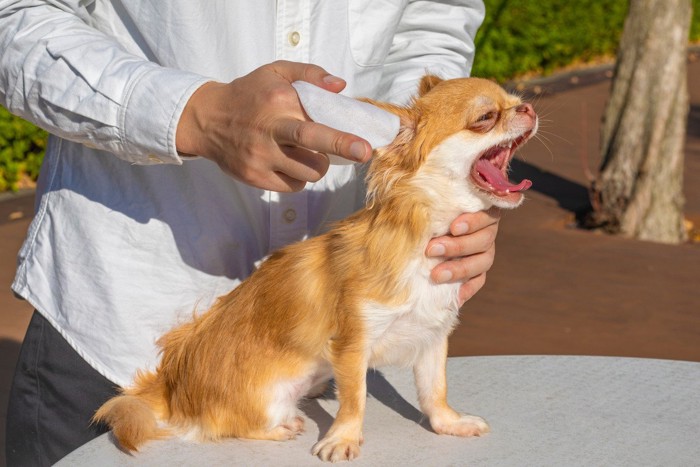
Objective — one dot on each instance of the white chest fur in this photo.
(397, 335)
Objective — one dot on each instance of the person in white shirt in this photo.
(180, 157)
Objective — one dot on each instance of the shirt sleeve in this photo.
(81, 84)
(432, 37)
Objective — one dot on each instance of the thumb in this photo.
(314, 74)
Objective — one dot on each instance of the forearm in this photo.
(81, 84)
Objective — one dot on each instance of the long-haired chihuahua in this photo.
(358, 296)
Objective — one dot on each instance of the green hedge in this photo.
(518, 37)
(22, 148)
(522, 37)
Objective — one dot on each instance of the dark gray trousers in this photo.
(53, 397)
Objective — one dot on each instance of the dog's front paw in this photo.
(334, 449)
(460, 425)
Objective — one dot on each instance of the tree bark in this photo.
(639, 188)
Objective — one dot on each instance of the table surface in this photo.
(543, 410)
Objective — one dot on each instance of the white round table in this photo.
(543, 411)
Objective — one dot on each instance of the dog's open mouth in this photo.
(490, 171)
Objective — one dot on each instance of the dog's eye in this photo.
(485, 122)
(487, 116)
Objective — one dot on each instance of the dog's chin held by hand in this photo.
(356, 297)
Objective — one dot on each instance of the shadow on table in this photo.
(377, 387)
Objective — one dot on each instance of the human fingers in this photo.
(469, 222)
(314, 74)
(289, 169)
(321, 138)
(468, 243)
(318, 137)
(464, 268)
(282, 168)
(302, 164)
(281, 182)
(469, 288)
(249, 125)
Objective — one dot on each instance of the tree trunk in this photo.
(639, 189)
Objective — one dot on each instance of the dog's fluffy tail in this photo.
(131, 416)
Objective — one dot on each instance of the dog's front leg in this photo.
(430, 373)
(342, 442)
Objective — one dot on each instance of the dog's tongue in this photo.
(495, 177)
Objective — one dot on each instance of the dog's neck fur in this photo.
(405, 189)
(400, 217)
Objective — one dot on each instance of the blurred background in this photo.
(556, 287)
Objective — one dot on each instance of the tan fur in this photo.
(304, 308)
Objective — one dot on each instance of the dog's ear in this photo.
(405, 114)
(427, 83)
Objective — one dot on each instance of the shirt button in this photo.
(154, 159)
(290, 215)
(294, 38)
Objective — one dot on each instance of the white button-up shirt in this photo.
(128, 238)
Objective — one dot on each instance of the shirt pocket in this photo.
(371, 27)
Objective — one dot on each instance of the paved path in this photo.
(557, 290)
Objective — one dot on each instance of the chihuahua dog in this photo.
(358, 296)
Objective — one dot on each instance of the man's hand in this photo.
(255, 129)
(469, 251)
